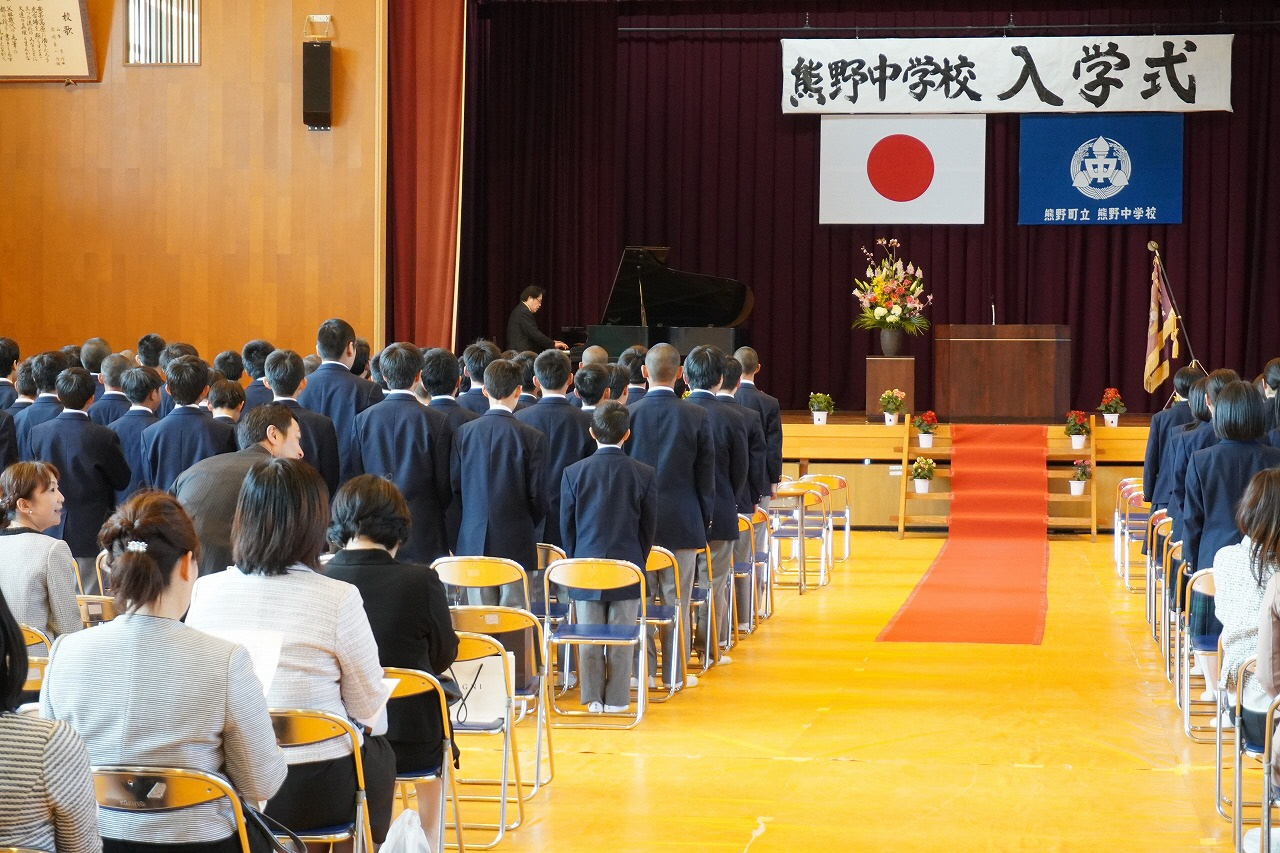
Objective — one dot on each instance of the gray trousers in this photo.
(721, 570)
(742, 586)
(673, 662)
(606, 670)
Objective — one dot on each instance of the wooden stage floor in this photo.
(818, 738)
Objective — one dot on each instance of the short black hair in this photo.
(525, 361)
(13, 659)
(9, 355)
(252, 428)
(610, 422)
(369, 506)
(401, 363)
(553, 369)
(311, 362)
(112, 368)
(501, 378)
(732, 374)
(703, 367)
(138, 383)
(75, 387)
(333, 338)
(477, 357)
(225, 394)
(531, 292)
(590, 383)
(149, 349)
(177, 349)
(45, 368)
(1239, 412)
(375, 371)
(230, 363)
(1185, 377)
(619, 378)
(187, 377)
(255, 354)
(284, 372)
(440, 371)
(632, 359)
(361, 362)
(25, 381)
(280, 517)
(92, 352)
(72, 352)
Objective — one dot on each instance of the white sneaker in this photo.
(615, 709)
(570, 680)
(635, 683)
(596, 707)
(725, 660)
(1253, 838)
(1195, 669)
(1208, 696)
(744, 628)
(690, 681)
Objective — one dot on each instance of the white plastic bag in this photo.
(406, 835)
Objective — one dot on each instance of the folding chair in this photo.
(1158, 526)
(1199, 633)
(102, 570)
(96, 609)
(415, 682)
(1130, 525)
(841, 502)
(664, 615)
(1172, 598)
(36, 664)
(1250, 742)
(474, 647)
(1269, 793)
(816, 524)
(699, 598)
(744, 570)
(602, 575)
(532, 695)
(793, 503)
(764, 578)
(478, 573)
(147, 790)
(304, 727)
(552, 613)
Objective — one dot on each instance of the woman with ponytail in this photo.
(37, 571)
(146, 689)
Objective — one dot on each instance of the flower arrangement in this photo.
(893, 296)
(821, 403)
(923, 468)
(925, 423)
(1077, 423)
(893, 401)
(1082, 470)
(1111, 403)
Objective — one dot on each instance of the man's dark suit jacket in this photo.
(108, 408)
(1216, 479)
(455, 415)
(674, 437)
(497, 470)
(8, 394)
(209, 491)
(334, 391)
(319, 444)
(256, 393)
(45, 408)
(1184, 444)
(474, 400)
(568, 441)
(93, 467)
(8, 440)
(729, 438)
(409, 615)
(129, 427)
(1162, 425)
(523, 333)
(409, 444)
(175, 443)
(756, 484)
(771, 418)
(609, 505)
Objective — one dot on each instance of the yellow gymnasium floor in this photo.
(819, 738)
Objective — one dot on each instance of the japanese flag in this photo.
(903, 170)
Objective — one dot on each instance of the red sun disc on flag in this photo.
(900, 167)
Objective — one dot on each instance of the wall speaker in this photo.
(317, 85)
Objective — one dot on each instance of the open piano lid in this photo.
(672, 297)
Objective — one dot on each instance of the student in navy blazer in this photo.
(142, 389)
(45, 368)
(497, 469)
(568, 432)
(9, 356)
(8, 440)
(92, 464)
(749, 395)
(337, 393)
(112, 403)
(609, 510)
(528, 387)
(409, 444)
(476, 358)
(441, 376)
(632, 359)
(188, 433)
(1162, 424)
(1201, 437)
(285, 375)
(254, 355)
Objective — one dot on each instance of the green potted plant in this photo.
(821, 405)
(925, 424)
(1077, 427)
(892, 402)
(1081, 473)
(1112, 407)
(922, 471)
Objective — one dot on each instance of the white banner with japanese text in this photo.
(1062, 74)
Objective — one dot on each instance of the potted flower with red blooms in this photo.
(925, 424)
(1081, 473)
(1111, 406)
(1077, 427)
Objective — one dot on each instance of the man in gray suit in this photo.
(210, 488)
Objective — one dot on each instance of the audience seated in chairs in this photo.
(145, 689)
(37, 571)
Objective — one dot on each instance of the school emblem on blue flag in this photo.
(1100, 169)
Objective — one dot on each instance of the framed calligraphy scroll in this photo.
(46, 40)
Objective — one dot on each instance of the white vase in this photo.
(890, 418)
(820, 418)
(1077, 442)
(922, 486)
(1077, 486)
(1110, 419)
(926, 439)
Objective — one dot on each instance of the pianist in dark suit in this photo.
(522, 329)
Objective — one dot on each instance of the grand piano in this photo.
(651, 303)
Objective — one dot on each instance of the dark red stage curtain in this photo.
(424, 174)
(585, 135)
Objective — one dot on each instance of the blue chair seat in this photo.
(585, 632)
(337, 829)
(661, 612)
(788, 531)
(698, 595)
(418, 774)
(744, 568)
(559, 610)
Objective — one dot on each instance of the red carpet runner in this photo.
(988, 583)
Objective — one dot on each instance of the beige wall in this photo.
(192, 201)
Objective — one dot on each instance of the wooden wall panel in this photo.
(192, 201)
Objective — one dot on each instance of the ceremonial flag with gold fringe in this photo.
(1162, 330)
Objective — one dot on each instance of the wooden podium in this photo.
(1002, 372)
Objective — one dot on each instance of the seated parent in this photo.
(37, 571)
(328, 657)
(409, 615)
(146, 689)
